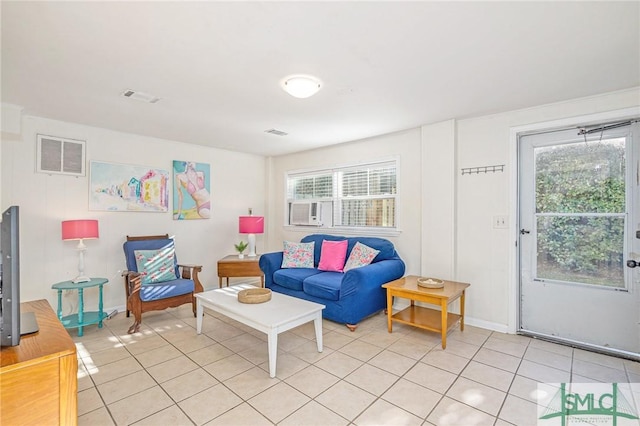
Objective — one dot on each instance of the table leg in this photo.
(60, 305)
(100, 306)
(389, 309)
(80, 311)
(462, 311)
(227, 281)
(199, 314)
(273, 352)
(443, 323)
(318, 326)
(219, 282)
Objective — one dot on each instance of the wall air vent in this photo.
(61, 156)
(276, 132)
(140, 96)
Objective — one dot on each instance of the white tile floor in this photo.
(168, 375)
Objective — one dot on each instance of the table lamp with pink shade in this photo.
(81, 230)
(251, 225)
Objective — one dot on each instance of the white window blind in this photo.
(310, 186)
(360, 196)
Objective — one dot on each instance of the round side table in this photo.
(82, 318)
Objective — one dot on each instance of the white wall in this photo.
(438, 199)
(405, 146)
(485, 255)
(457, 239)
(46, 200)
(446, 219)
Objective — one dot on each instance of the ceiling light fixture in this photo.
(301, 86)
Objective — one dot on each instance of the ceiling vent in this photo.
(276, 132)
(140, 96)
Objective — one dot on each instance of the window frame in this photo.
(335, 199)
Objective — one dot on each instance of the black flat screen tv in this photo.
(10, 277)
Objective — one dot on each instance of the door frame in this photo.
(513, 324)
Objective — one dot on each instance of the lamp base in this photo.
(80, 279)
(252, 245)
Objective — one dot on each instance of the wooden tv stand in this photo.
(39, 377)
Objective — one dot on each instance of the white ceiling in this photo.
(385, 66)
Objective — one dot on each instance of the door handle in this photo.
(632, 263)
(524, 231)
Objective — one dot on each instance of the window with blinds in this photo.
(364, 195)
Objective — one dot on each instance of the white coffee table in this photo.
(279, 314)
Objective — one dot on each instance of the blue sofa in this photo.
(349, 297)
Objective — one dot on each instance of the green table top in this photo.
(70, 285)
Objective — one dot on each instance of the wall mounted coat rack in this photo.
(483, 169)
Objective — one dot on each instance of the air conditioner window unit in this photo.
(305, 213)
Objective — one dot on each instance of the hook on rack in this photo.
(482, 169)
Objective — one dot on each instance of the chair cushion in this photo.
(332, 255)
(297, 255)
(325, 285)
(166, 289)
(293, 278)
(361, 255)
(156, 266)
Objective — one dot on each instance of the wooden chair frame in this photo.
(132, 285)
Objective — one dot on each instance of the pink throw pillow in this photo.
(332, 255)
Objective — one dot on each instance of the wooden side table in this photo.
(232, 266)
(426, 318)
(82, 318)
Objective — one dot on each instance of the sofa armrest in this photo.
(270, 263)
(372, 276)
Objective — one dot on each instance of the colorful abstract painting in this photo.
(124, 187)
(192, 190)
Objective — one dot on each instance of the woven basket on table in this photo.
(254, 295)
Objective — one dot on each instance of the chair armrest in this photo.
(190, 272)
(270, 263)
(132, 282)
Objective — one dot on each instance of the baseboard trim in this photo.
(487, 325)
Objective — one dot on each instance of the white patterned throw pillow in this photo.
(361, 255)
(298, 255)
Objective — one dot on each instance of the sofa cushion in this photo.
(292, 278)
(298, 255)
(333, 255)
(166, 289)
(325, 285)
(386, 248)
(360, 256)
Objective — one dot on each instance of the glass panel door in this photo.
(578, 216)
(580, 203)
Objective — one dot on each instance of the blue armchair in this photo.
(154, 280)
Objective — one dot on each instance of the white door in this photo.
(579, 214)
